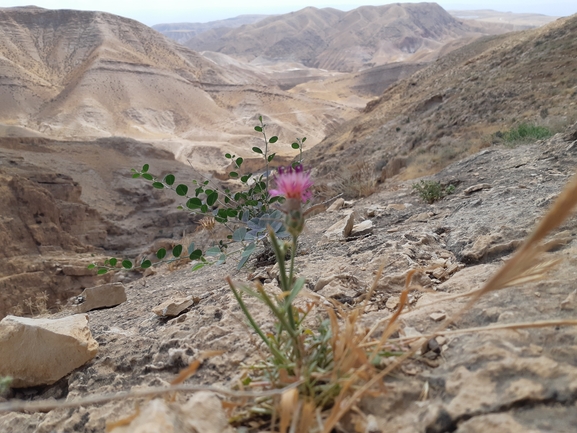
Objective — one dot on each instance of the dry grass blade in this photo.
(124, 421)
(288, 408)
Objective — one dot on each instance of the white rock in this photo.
(337, 205)
(42, 351)
(203, 413)
(341, 229)
(437, 317)
(105, 295)
(363, 228)
(173, 307)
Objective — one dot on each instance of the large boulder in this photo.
(42, 351)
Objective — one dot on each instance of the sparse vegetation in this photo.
(525, 133)
(357, 180)
(430, 191)
(5, 382)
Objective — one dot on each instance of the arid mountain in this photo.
(455, 105)
(519, 21)
(83, 75)
(182, 32)
(343, 41)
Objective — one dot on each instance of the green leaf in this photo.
(212, 251)
(233, 174)
(147, 176)
(197, 267)
(249, 249)
(195, 255)
(190, 248)
(221, 259)
(193, 203)
(239, 234)
(295, 145)
(227, 155)
(177, 251)
(297, 287)
(169, 179)
(239, 161)
(260, 118)
(113, 262)
(136, 175)
(245, 178)
(145, 168)
(158, 185)
(127, 264)
(257, 150)
(212, 198)
(231, 213)
(204, 208)
(146, 264)
(273, 139)
(181, 190)
(91, 266)
(303, 140)
(221, 220)
(258, 129)
(271, 157)
(102, 271)
(161, 253)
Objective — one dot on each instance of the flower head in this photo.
(293, 183)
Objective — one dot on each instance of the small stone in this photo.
(441, 340)
(570, 302)
(397, 206)
(475, 188)
(437, 317)
(341, 229)
(337, 205)
(173, 307)
(42, 351)
(393, 302)
(103, 296)
(362, 229)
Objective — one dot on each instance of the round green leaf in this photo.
(193, 203)
(273, 139)
(113, 262)
(211, 199)
(195, 255)
(146, 264)
(177, 250)
(102, 271)
(136, 175)
(245, 178)
(295, 145)
(257, 150)
(181, 190)
(158, 185)
(145, 168)
(227, 155)
(91, 266)
(161, 253)
(127, 264)
(204, 208)
(258, 129)
(169, 179)
(147, 176)
(233, 174)
(239, 161)
(231, 213)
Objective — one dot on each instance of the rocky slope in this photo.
(516, 381)
(343, 41)
(455, 105)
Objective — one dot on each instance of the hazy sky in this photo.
(152, 12)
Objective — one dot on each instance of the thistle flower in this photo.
(292, 183)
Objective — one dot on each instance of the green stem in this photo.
(291, 282)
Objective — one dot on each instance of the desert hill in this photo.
(344, 41)
(456, 104)
(84, 75)
(182, 32)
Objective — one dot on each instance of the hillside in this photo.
(455, 105)
(83, 75)
(343, 41)
(182, 32)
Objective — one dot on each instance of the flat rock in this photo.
(173, 307)
(337, 205)
(42, 351)
(103, 296)
(475, 188)
(362, 229)
(341, 229)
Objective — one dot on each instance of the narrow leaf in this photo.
(91, 266)
(198, 266)
(147, 176)
(271, 157)
(233, 174)
(257, 150)
(145, 168)
(258, 129)
(158, 185)
(102, 271)
(273, 139)
(136, 175)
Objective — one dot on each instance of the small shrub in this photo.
(5, 382)
(525, 133)
(430, 191)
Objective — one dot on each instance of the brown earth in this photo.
(516, 381)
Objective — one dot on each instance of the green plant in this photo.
(525, 133)
(245, 211)
(430, 191)
(5, 382)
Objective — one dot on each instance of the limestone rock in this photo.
(362, 229)
(173, 307)
(341, 229)
(337, 205)
(203, 413)
(42, 351)
(105, 295)
(475, 188)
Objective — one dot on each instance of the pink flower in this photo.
(293, 183)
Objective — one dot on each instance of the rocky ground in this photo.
(498, 381)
